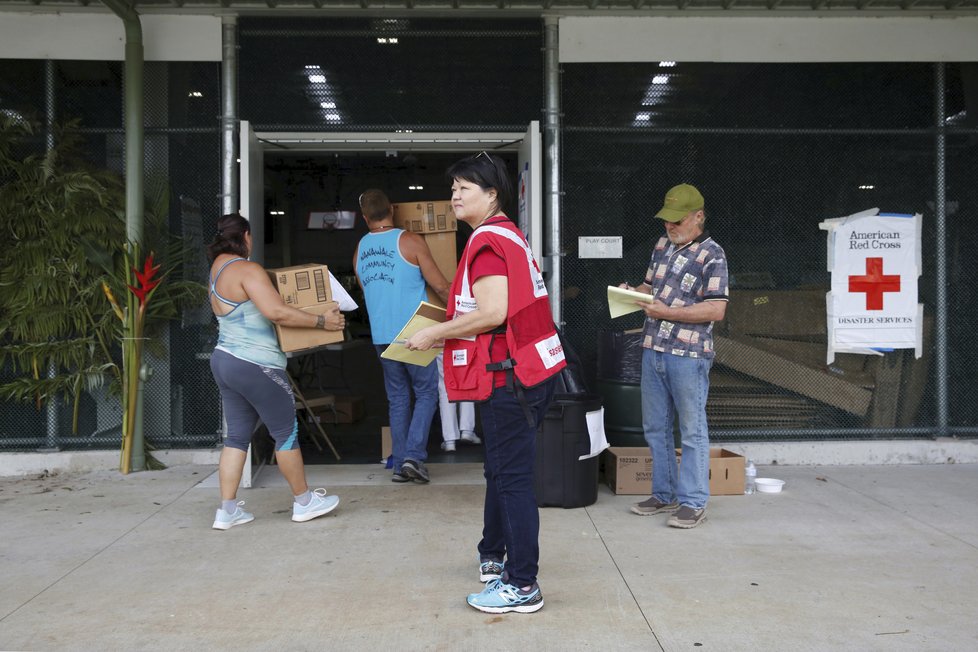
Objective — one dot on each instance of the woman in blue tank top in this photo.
(249, 368)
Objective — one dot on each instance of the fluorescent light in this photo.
(643, 117)
(335, 117)
(312, 67)
(381, 39)
(867, 187)
(415, 187)
(195, 94)
(317, 79)
(392, 40)
(660, 79)
(667, 64)
(328, 105)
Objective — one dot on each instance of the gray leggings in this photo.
(251, 392)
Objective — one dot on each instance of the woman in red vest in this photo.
(501, 349)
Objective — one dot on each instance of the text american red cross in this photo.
(874, 283)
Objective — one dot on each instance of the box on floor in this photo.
(628, 471)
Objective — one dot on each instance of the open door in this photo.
(252, 185)
(529, 190)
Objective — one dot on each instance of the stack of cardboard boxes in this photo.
(435, 222)
(305, 287)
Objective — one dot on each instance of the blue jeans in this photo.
(511, 522)
(409, 428)
(676, 385)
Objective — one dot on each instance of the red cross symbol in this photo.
(874, 283)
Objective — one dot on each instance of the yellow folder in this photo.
(426, 315)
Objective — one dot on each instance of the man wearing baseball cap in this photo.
(687, 279)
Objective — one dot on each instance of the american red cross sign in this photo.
(874, 283)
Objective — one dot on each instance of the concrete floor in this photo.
(846, 558)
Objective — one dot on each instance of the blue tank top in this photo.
(392, 287)
(245, 333)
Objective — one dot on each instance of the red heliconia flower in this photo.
(145, 278)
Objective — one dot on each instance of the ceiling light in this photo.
(317, 79)
(643, 117)
(381, 39)
(195, 94)
(660, 79)
(328, 105)
(312, 67)
(332, 116)
(667, 64)
(867, 187)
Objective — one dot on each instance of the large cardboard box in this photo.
(628, 471)
(291, 338)
(443, 250)
(302, 285)
(425, 216)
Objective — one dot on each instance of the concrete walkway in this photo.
(847, 558)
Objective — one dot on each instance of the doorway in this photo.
(286, 178)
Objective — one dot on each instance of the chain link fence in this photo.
(775, 149)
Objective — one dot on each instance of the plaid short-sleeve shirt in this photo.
(681, 276)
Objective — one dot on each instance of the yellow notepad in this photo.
(426, 315)
(622, 301)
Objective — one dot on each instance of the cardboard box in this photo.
(628, 471)
(342, 409)
(291, 338)
(425, 216)
(443, 250)
(302, 285)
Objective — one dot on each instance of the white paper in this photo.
(622, 301)
(595, 429)
(340, 295)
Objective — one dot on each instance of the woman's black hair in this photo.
(486, 171)
(230, 237)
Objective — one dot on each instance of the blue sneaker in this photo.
(225, 521)
(499, 598)
(319, 505)
(490, 570)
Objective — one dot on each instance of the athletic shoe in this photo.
(319, 505)
(499, 597)
(448, 446)
(415, 470)
(225, 521)
(470, 437)
(490, 570)
(653, 506)
(687, 517)
(399, 477)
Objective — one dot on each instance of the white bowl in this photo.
(768, 485)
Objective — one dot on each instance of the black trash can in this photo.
(560, 478)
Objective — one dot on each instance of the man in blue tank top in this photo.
(393, 267)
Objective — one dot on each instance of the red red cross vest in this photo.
(534, 347)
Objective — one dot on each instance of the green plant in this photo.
(64, 230)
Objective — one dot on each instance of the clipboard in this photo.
(427, 314)
(622, 301)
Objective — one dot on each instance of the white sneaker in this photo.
(319, 505)
(448, 446)
(470, 437)
(225, 521)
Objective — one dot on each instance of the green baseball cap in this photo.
(680, 200)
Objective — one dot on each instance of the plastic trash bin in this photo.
(560, 478)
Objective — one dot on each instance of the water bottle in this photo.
(750, 473)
